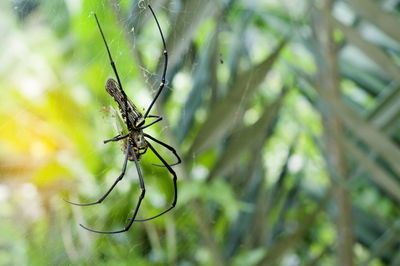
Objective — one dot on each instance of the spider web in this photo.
(141, 85)
(77, 93)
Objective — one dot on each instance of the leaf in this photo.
(387, 110)
(246, 139)
(380, 177)
(367, 80)
(237, 45)
(290, 240)
(248, 257)
(376, 139)
(200, 85)
(385, 242)
(242, 224)
(377, 174)
(374, 13)
(225, 115)
(192, 14)
(370, 50)
(368, 230)
(290, 198)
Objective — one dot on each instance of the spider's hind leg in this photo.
(143, 192)
(174, 180)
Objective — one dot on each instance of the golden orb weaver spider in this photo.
(137, 143)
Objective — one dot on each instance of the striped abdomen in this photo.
(134, 116)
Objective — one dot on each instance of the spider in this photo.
(137, 143)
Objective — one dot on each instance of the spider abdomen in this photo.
(134, 119)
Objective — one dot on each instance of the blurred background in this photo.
(286, 115)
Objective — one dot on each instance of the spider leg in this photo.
(160, 88)
(143, 152)
(114, 69)
(116, 138)
(175, 187)
(112, 187)
(166, 146)
(137, 205)
(159, 118)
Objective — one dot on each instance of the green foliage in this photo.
(247, 105)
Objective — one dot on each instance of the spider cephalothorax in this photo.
(138, 144)
(135, 142)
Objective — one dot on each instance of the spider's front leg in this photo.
(116, 138)
(159, 118)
